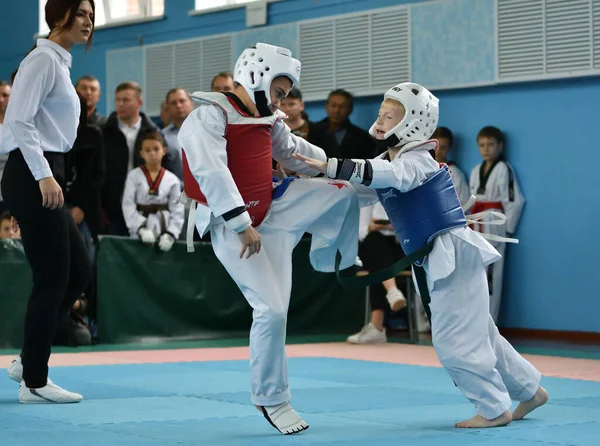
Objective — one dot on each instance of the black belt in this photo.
(392, 271)
(147, 209)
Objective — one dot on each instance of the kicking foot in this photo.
(283, 418)
(15, 370)
(478, 422)
(539, 399)
(49, 394)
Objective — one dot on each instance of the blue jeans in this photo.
(89, 241)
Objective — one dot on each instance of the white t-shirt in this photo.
(131, 133)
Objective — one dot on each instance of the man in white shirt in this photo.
(4, 96)
(122, 138)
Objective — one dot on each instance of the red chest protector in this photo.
(249, 157)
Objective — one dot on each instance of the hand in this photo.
(52, 195)
(147, 236)
(280, 173)
(77, 214)
(286, 172)
(165, 243)
(319, 166)
(250, 241)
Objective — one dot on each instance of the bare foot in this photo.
(539, 399)
(478, 422)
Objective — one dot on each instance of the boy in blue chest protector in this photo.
(419, 197)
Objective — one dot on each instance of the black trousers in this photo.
(378, 251)
(56, 254)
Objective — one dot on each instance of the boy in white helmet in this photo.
(228, 144)
(450, 259)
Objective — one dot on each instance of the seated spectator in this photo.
(222, 82)
(151, 200)
(8, 226)
(336, 135)
(378, 250)
(74, 331)
(445, 140)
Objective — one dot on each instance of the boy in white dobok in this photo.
(495, 185)
(421, 202)
(228, 144)
(151, 206)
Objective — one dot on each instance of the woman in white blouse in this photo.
(41, 121)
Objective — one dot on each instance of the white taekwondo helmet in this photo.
(421, 115)
(256, 68)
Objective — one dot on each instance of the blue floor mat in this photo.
(346, 402)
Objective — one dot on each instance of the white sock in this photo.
(394, 293)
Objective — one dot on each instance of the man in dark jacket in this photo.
(122, 133)
(88, 87)
(85, 175)
(336, 135)
(84, 178)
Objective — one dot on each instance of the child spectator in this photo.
(495, 185)
(445, 140)
(150, 201)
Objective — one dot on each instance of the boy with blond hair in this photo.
(423, 207)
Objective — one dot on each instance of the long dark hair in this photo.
(55, 11)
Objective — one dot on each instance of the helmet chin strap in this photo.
(390, 141)
(261, 103)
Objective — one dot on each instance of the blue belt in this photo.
(280, 189)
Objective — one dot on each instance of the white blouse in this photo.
(43, 111)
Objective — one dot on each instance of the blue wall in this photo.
(18, 24)
(551, 279)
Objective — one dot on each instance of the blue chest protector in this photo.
(421, 214)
